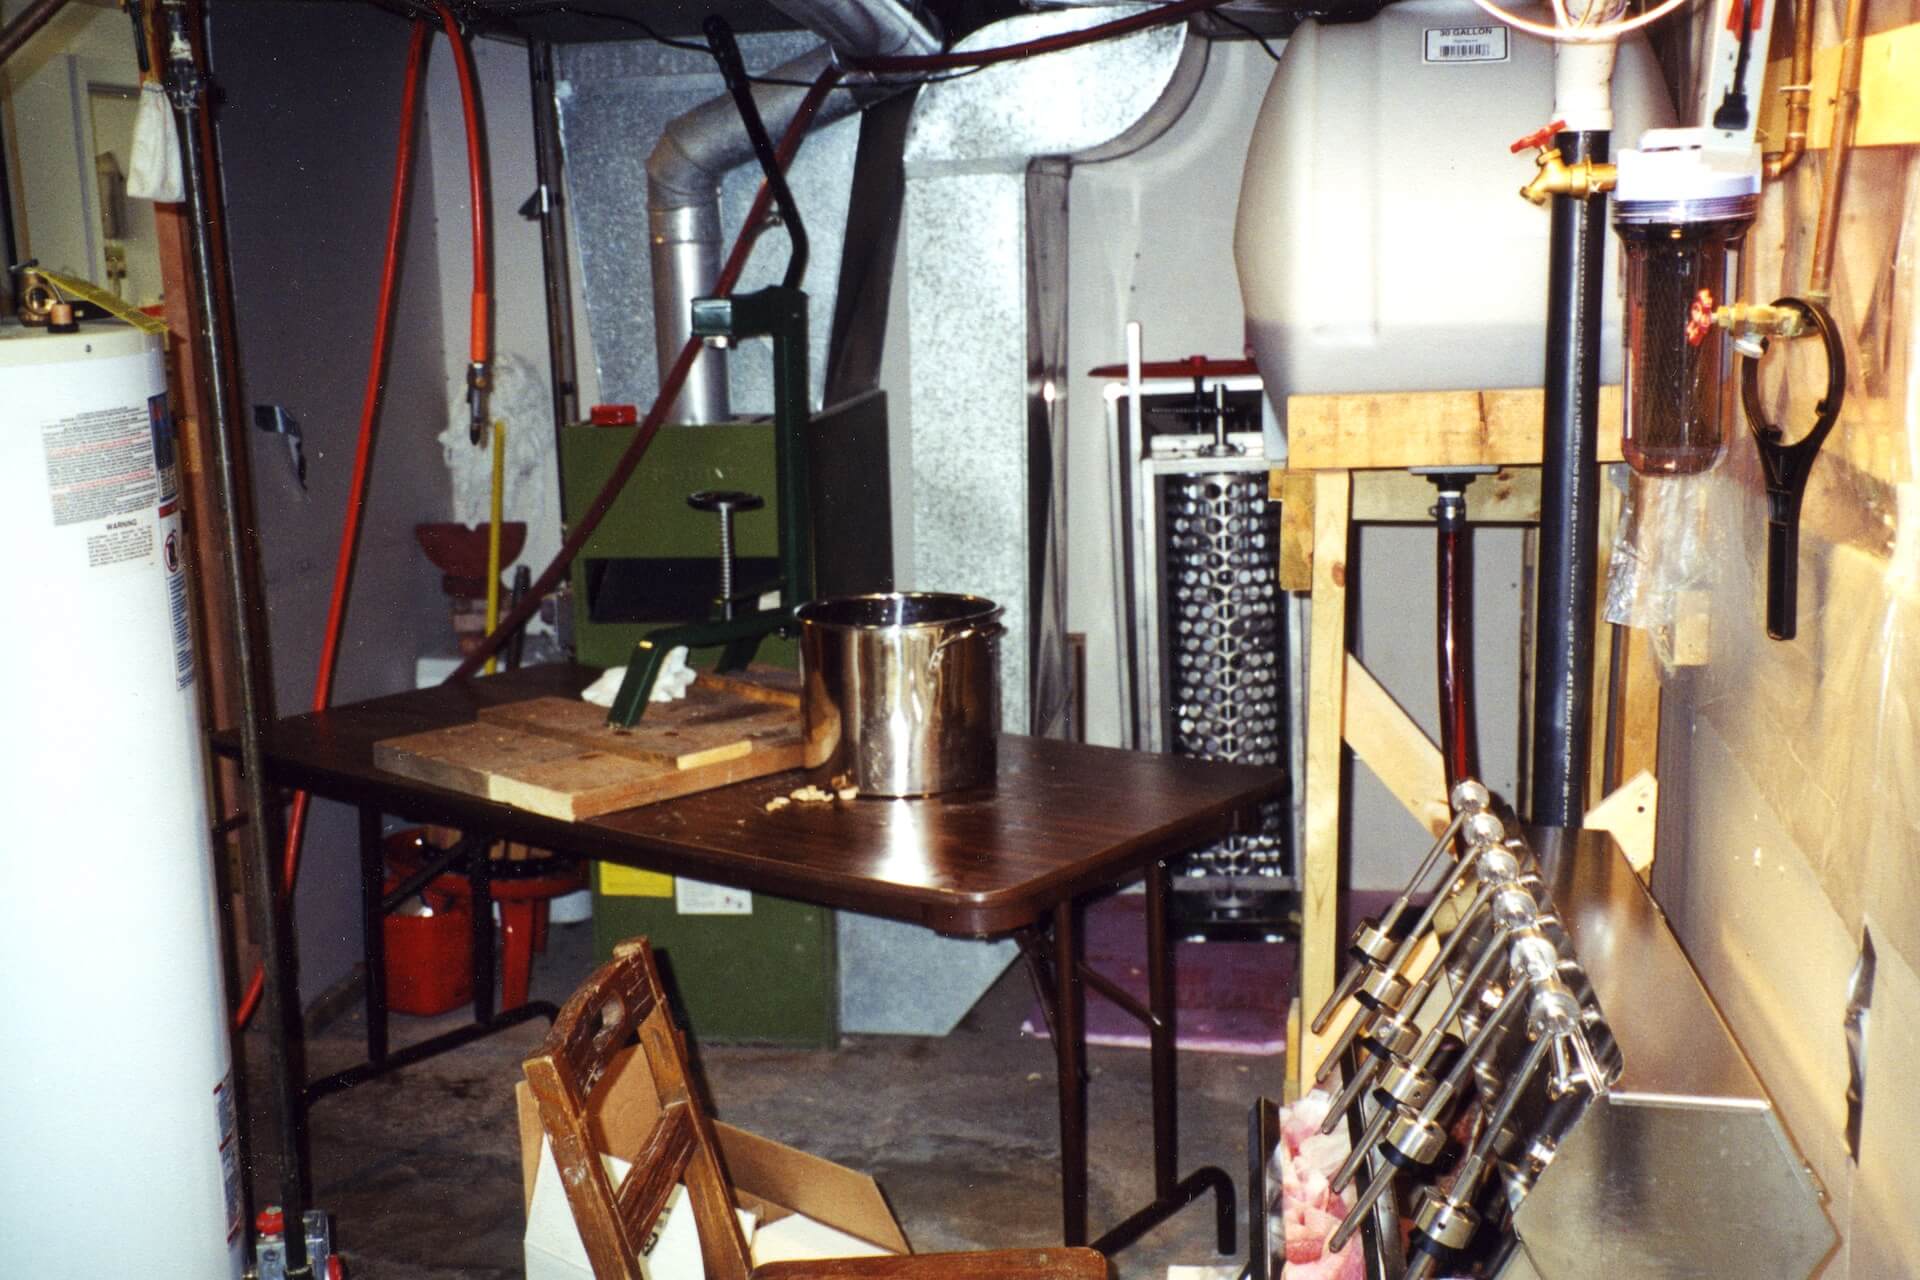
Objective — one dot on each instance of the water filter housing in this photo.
(1381, 244)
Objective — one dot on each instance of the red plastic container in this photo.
(430, 957)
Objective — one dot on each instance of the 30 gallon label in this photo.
(1466, 44)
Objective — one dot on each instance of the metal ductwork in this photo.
(698, 149)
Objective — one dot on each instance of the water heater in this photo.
(1381, 244)
(120, 1154)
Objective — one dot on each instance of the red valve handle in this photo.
(1539, 138)
(1700, 318)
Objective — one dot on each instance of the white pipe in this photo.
(1583, 86)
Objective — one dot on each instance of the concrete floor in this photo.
(421, 1168)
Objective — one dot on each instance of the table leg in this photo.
(1069, 1045)
(480, 878)
(1160, 1035)
(1172, 1193)
(373, 949)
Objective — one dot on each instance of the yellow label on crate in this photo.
(631, 882)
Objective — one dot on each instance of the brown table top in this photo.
(1064, 818)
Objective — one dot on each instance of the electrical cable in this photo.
(1139, 21)
(1230, 20)
(672, 42)
(480, 339)
(362, 466)
(670, 385)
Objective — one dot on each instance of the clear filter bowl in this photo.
(1678, 396)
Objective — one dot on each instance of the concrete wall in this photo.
(307, 133)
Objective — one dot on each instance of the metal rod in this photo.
(1569, 499)
(281, 998)
(16, 33)
(550, 208)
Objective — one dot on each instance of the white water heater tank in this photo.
(1382, 243)
(120, 1153)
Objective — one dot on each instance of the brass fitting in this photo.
(1751, 323)
(1558, 178)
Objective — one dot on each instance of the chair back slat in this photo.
(622, 999)
(642, 1195)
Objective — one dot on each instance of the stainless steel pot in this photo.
(902, 691)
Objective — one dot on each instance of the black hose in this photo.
(1569, 500)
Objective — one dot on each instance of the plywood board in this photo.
(557, 757)
(1401, 429)
(1889, 93)
(703, 728)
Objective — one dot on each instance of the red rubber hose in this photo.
(1454, 601)
(1137, 21)
(480, 343)
(362, 466)
(669, 388)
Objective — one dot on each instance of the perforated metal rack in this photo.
(1209, 637)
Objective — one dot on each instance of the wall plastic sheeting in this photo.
(1828, 724)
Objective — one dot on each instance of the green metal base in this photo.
(768, 978)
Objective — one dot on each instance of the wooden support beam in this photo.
(1293, 490)
(1327, 679)
(1398, 751)
(1396, 430)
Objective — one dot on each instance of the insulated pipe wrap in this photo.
(1569, 500)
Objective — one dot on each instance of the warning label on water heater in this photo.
(100, 465)
(1466, 44)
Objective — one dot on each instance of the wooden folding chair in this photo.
(622, 998)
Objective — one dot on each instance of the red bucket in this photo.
(429, 954)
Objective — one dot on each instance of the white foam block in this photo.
(552, 1245)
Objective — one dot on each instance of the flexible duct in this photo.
(697, 150)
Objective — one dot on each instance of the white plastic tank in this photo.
(120, 1153)
(1382, 243)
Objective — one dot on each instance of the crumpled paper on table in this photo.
(675, 678)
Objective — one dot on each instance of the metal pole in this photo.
(549, 209)
(21, 29)
(281, 1004)
(1569, 500)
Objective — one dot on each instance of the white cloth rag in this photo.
(670, 686)
(154, 168)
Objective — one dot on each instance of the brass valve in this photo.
(1558, 178)
(1555, 177)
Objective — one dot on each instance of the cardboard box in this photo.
(771, 1182)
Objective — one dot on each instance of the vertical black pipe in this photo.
(280, 1008)
(549, 209)
(1569, 500)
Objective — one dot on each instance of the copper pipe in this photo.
(1799, 91)
(1846, 111)
(21, 29)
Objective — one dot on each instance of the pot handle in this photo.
(986, 631)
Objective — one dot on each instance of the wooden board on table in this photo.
(557, 757)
